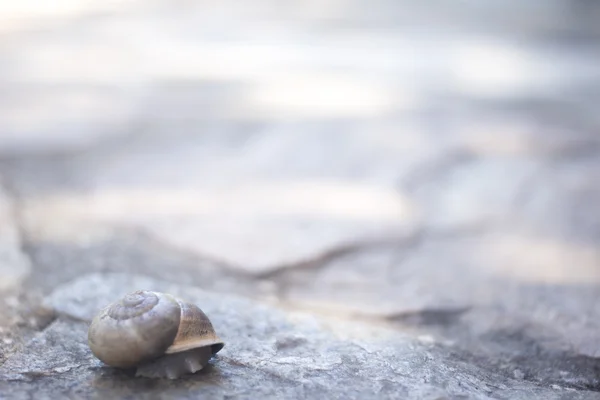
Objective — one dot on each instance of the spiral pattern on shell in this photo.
(139, 327)
(133, 305)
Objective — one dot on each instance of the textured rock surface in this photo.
(393, 200)
(269, 353)
(14, 265)
(19, 310)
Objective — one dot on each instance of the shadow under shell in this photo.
(172, 366)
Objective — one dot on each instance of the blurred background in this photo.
(381, 158)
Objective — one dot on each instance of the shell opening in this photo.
(217, 347)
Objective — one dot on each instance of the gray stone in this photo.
(14, 265)
(475, 192)
(269, 353)
(479, 281)
(17, 319)
(365, 208)
(231, 203)
(278, 159)
(131, 252)
(564, 199)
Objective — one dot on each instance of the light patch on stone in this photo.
(490, 67)
(535, 258)
(14, 264)
(255, 227)
(27, 13)
(311, 95)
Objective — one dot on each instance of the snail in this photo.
(158, 334)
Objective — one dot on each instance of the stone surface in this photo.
(20, 312)
(402, 197)
(304, 159)
(452, 284)
(423, 274)
(14, 265)
(269, 353)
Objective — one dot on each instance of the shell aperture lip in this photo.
(195, 330)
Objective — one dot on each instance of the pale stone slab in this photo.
(14, 264)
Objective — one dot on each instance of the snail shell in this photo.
(158, 334)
